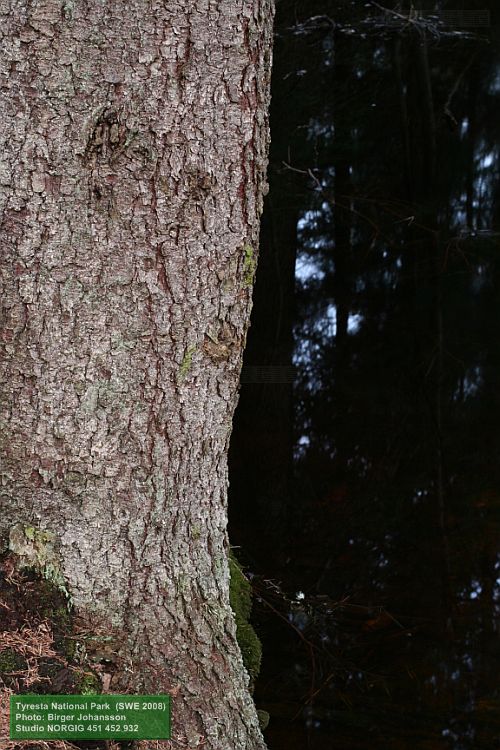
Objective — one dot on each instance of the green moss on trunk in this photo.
(240, 597)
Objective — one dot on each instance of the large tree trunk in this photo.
(134, 140)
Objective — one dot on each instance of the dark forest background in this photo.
(365, 488)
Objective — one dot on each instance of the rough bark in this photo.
(134, 139)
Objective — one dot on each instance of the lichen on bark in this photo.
(35, 549)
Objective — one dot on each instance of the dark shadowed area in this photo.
(365, 490)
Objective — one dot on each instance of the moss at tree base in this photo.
(37, 636)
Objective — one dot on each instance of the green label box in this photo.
(86, 717)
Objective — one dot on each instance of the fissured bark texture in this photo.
(133, 153)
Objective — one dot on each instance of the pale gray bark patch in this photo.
(133, 154)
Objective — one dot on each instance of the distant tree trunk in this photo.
(134, 141)
(471, 138)
(403, 112)
(263, 436)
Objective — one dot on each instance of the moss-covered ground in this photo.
(38, 647)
